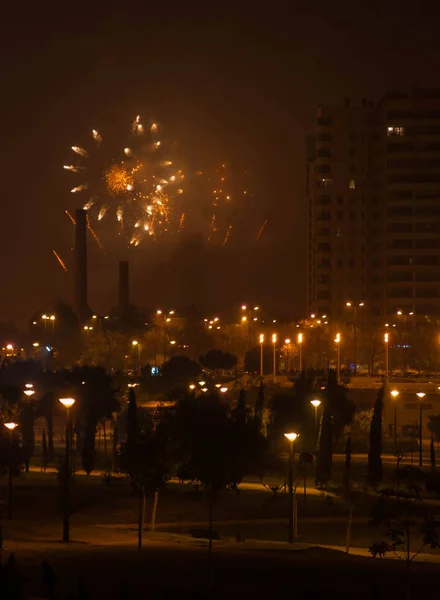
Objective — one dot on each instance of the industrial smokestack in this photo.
(124, 288)
(81, 306)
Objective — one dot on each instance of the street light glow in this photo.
(386, 338)
(29, 393)
(291, 436)
(287, 341)
(244, 307)
(300, 338)
(11, 426)
(421, 395)
(192, 387)
(202, 383)
(223, 389)
(67, 402)
(394, 393)
(35, 344)
(134, 343)
(261, 338)
(338, 338)
(274, 338)
(315, 403)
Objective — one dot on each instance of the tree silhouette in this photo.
(375, 449)
(180, 367)
(217, 360)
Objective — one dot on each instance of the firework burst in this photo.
(136, 185)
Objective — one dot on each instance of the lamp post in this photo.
(421, 395)
(11, 426)
(316, 404)
(67, 403)
(261, 353)
(394, 394)
(249, 319)
(287, 343)
(137, 345)
(166, 319)
(52, 319)
(300, 342)
(292, 500)
(355, 306)
(338, 342)
(402, 313)
(274, 342)
(386, 339)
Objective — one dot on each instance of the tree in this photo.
(180, 367)
(239, 413)
(148, 465)
(96, 401)
(432, 453)
(405, 522)
(375, 449)
(132, 420)
(217, 360)
(259, 407)
(434, 426)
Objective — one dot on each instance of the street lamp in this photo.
(355, 306)
(11, 426)
(223, 389)
(421, 395)
(261, 353)
(52, 318)
(316, 404)
(202, 383)
(338, 342)
(192, 387)
(274, 342)
(394, 394)
(249, 319)
(386, 339)
(300, 341)
(292, 500)
(29, 393)
(67, 403)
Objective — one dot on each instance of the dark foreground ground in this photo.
(169, 569)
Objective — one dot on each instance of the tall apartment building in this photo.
(373, 188)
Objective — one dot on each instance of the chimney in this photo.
(80, 300)
(124, 288)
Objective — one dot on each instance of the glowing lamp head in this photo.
(11, 425)
(243, 319)
(28, 386)
(300, 338)
(244, 307)
(204, 389)
(202, 383)
(29, 393)
(348, 304)
(421, 395)
(315, 403)
(223, 389)
(394, 393)
(261, 338)
(291, 436)
(192, 387)
(386, 338)
(67, 402)
(35, 344)
(287, 341)
(274, 338)
(9, 347)
(338, 338)
(134, 343)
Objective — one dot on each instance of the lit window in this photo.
(391, 130)
(351, 184)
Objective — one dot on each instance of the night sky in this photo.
(229, 84)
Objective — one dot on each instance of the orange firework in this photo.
(59, 259)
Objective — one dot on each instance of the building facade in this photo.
(373, 188)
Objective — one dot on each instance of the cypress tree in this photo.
(44, 451)
(432, 453)
(240, 409)
(88, 448)
(132, 420)
(259, 404)
(375, 449)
